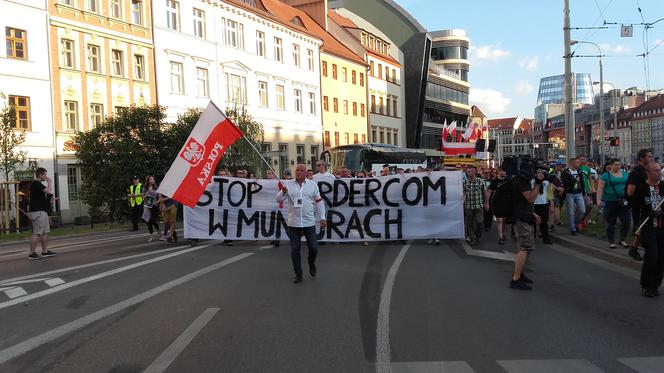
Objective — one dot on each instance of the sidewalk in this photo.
(61, 233)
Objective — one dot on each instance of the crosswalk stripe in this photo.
(549, 366)
(431, 367)
(653, 364)
(15, 292)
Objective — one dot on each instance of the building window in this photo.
(312, 103)
(21, 106)
(299, 150)
(298, 100)
(310, 58)
(278, 51)
(199, 23)
(355, 139)
(173, 14)
(335, 105)
(373, 103)
(296, 55)
(262, 94)
(361, 79)
(388, 136)
(387, 107)
(355, 109)
(326, 104)
(116, 9)
(117, 62)
(234, 34)
(334, 71)
(119, 110)
(67, 53)
(66, 2)
(137, 12)
(326, 141)
(344, 74)
(364, 139)
(260, 43)
(336, 139)
(387, 73)
(283, 158)
(373, 135)
(92, 6)
(237, 89)
(314, 154)
(380, 71)
(139, 67)
(72, 182)
(353, 76)
(281, 97)
(394, 106)
(346, 107)
(362, 110)
(371, 68)
(381, 105)
(202, 82)
(347, 138)
(93, 58)
(325, 69)
(71, 115)
(96, 115)
(381, 133)
(16, 41)
(177, 78)
(394, 76)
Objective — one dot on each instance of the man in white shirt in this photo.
(322, 174)
(303, 197)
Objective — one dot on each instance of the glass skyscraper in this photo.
(551, 89)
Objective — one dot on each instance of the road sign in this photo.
(626, 31)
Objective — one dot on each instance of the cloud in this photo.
(487, 52)
(530, 63)
(615, 49)
(491, 100)
(522, 87)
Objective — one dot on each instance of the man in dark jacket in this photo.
(573, 181)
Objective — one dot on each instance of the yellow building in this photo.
(102, 61)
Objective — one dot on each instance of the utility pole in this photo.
(601, 112)
(569, 108)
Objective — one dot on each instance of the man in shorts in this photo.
(39, 205)
(524, 217)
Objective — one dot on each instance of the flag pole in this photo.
(267, 163)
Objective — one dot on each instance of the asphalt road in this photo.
(115, 303)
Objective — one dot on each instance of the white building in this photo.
(239, 52)
(25, 76)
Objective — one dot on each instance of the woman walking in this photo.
(151, 207)
(611, 196)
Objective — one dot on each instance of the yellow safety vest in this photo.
(136, 189)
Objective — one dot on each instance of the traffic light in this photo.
(615, 141)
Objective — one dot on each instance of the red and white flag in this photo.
(444, 130)
(457, 148)
(194, 166)
(469, 134)
(452, 129)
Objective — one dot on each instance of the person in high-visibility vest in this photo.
(135, 196)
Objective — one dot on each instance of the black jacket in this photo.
(641, 199)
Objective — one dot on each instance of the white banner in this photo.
(397, 207)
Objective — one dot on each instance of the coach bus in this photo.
(372, 157)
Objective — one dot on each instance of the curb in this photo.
(596, 252)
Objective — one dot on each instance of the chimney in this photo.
(316, 9)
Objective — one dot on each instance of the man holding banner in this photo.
(302, 195)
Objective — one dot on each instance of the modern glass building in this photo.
(551, 89)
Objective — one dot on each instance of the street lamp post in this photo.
(601, 104)
(614, 97)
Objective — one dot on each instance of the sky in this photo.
(514, 43)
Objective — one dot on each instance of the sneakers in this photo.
(151, 239)
(634, 253)
(520, 285)
(312, 269)
(623, 244)
(612, 246)
(525, 279)
(573, 233)
(297, 279)
(162, 238)
(49, 253)
(34, 256)
(437, 242)
(502, 240)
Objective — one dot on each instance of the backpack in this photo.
(502, 205)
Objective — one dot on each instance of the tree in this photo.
(10, 139)
(241, 154)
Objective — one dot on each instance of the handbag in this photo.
(622, 202)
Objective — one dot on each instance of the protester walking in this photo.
(637, 177)
(648, 196)
(612, 200)
(169, 213)
(39, 205)
(493, 186)
(541, 205)
(135, 196)
(151, 207)
(573, 182)
(302, 197)
(475, 201)
(524, 220)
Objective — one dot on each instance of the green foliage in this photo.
(10, 138)
(241, 154)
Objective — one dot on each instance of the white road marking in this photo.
(25, 281)
(96, 277)
(432, 367)
(506, 256)
(54, 282)
(15, 292)
(549, 366)
(39, 340)
(383, 352)
(265, 247)
(167, 357)
(645, 364)
(15, 279)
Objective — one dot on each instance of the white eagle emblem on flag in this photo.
(193, 152)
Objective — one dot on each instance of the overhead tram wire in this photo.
(592, 30)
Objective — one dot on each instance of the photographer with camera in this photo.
(612, 200)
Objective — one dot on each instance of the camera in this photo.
(523, 166)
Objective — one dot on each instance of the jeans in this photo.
(652, 271)
(474, 223)
(295, 234)
(576, 208)
(136, 213)
(154, 220)
(612, 212)
(543, 212)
